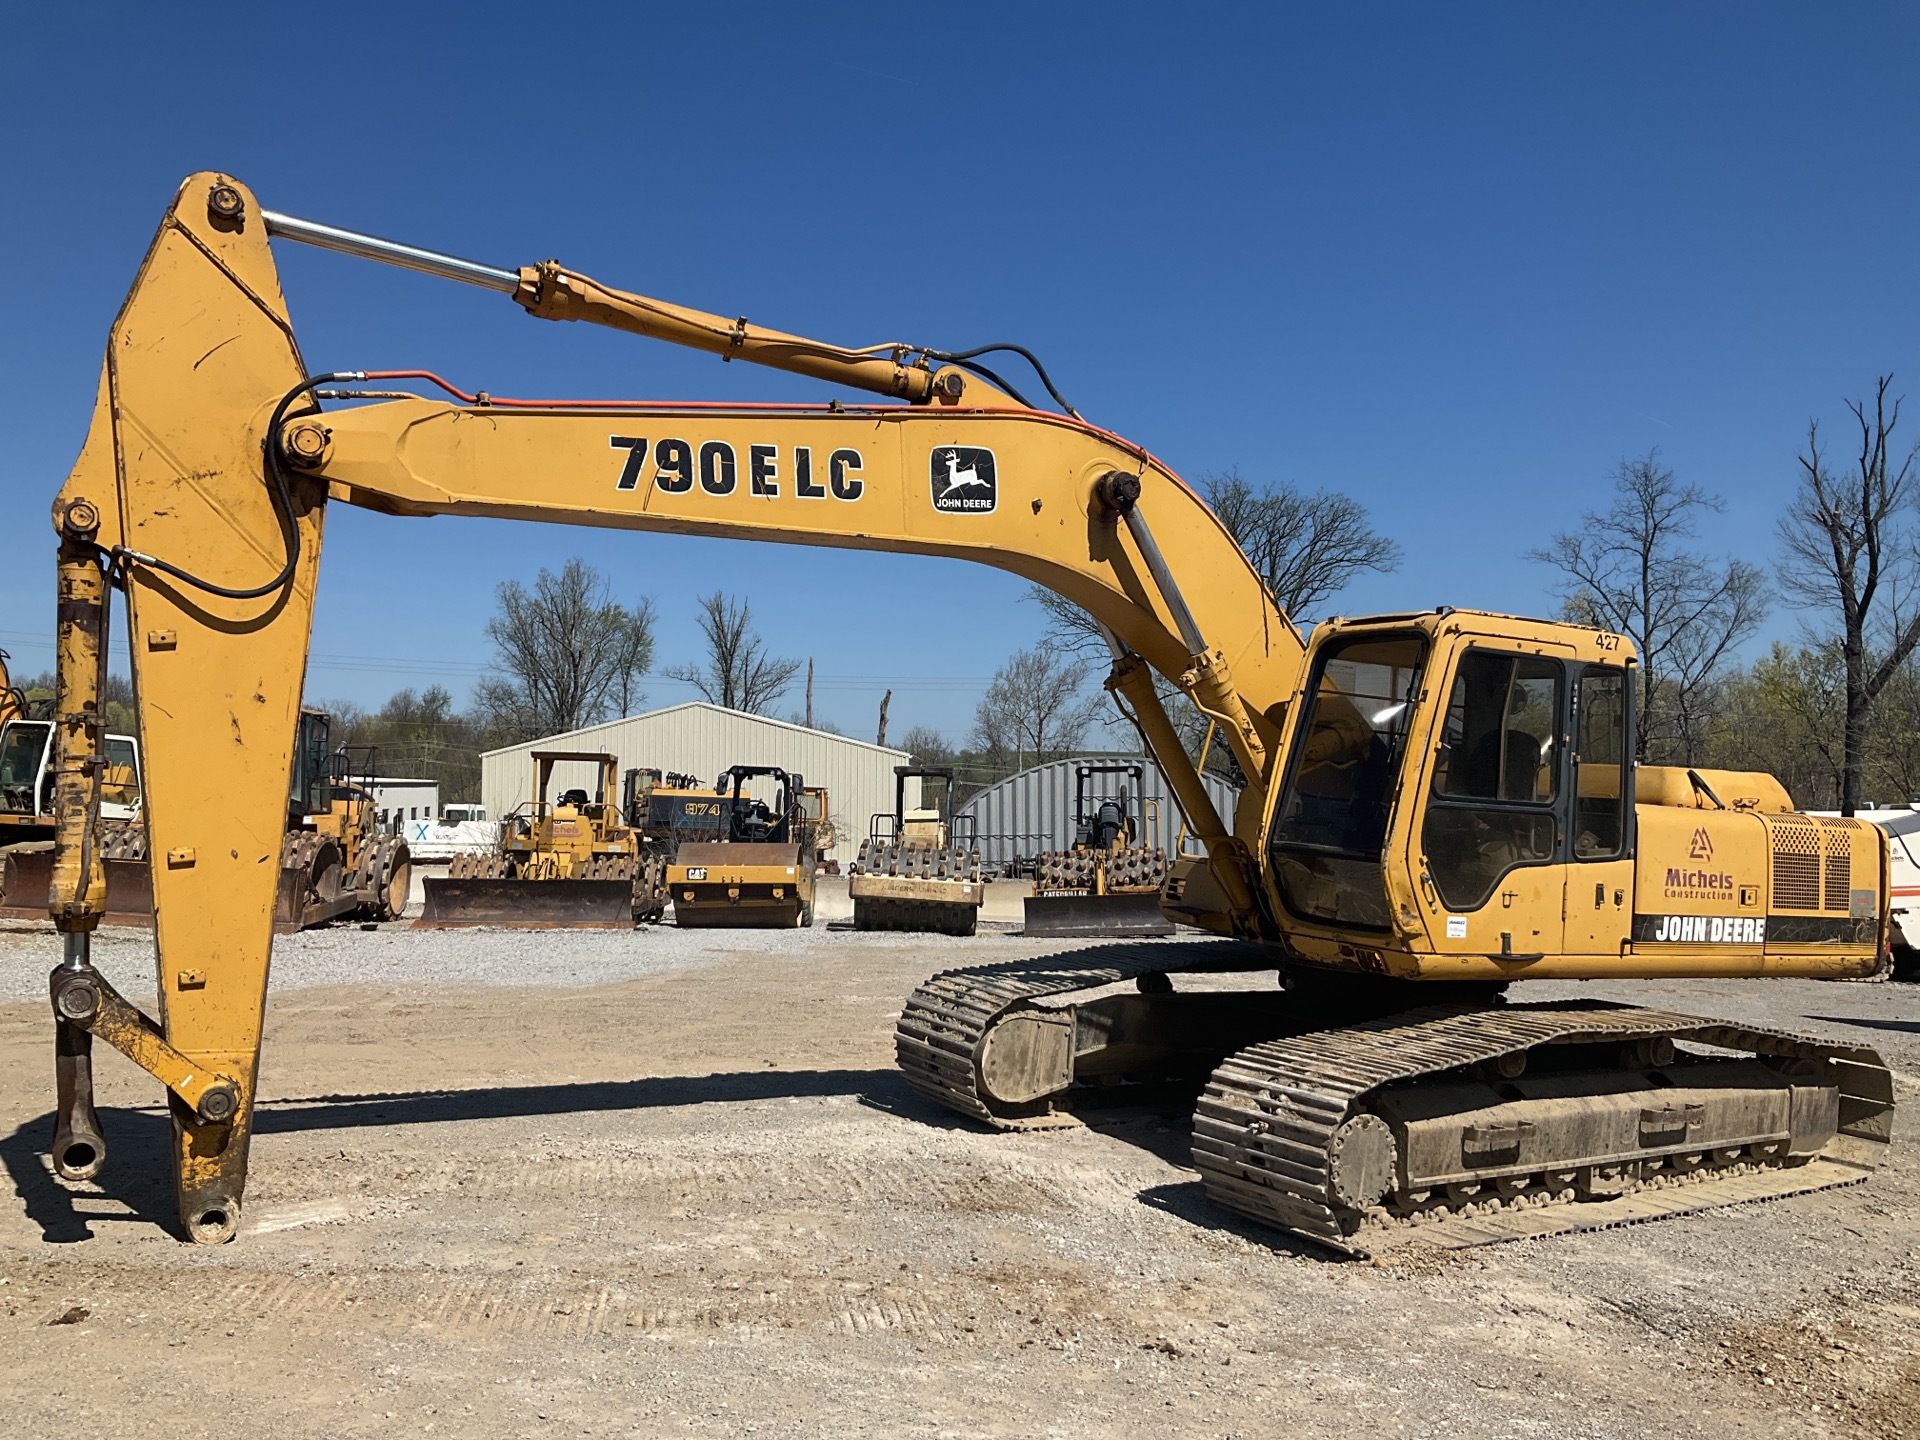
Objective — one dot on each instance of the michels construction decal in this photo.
(1699, 880)
(1685, 883)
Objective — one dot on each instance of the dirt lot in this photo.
(678, 1189)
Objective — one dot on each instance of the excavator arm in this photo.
(201, 492)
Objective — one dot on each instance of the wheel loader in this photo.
(1107, 884)
(570, 864)
(760, 873)
(1441, 806)
(915, 871)
(335, 863)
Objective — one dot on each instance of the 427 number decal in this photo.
(677, 464)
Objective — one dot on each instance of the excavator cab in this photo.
(1461, 801)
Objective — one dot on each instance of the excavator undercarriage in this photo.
(1450, 1125)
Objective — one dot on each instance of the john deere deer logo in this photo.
(963, 480)
(1702, 846)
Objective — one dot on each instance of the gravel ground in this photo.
(670, 1183)
(394, 954)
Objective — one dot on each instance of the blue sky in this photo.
(1457, 261)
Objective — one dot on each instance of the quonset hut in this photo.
(1032, 812)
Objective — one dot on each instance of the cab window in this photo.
(1602, 787)
(122, 781)
(1331, 828)
(20, 755)
(1496, 775)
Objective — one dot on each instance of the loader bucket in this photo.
(1096, 916)
(26, 876)
(527, 904)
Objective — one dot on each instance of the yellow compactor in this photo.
(1107, 883)
(335, 863)
(1440, 806)
(760, 873)
(914, 871)
(567, 864)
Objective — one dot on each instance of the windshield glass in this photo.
(121, 783)
(1352, 738)
(20, 764)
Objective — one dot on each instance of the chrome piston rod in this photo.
(389, 252)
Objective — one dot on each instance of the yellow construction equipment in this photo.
(13, 701)
(1438, 804)
(915, 872)
(1108, 883)
(760, 872)
(27, 821)
(574, 864)
(663, 810)
(335, 864)
(816, 821)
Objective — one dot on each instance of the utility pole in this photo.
(885, 699)
(809, 692)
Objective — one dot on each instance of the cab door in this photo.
(1600, 836)
(1492, 839)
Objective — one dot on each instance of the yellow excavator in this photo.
(27, 822)
(1440, 805)
(13, 701)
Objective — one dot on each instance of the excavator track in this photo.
(941, 1039)
(1303, 1121)
(1282, 1120)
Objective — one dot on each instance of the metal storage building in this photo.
(702, 739)
(1028, 813)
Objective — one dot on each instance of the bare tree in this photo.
(1035, 705)
(1626, 571)
(739, 673)
(1306, 548)
(928, 746)
(567, 651)
(1783, 716)
(1850, 547)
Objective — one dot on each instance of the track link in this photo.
(1265, 1130)
(945, 1022)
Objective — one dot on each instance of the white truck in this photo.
(1903, 883)
(458, 830)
